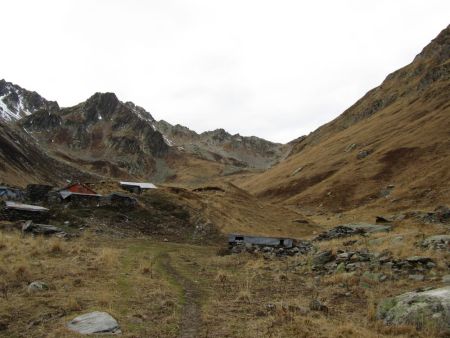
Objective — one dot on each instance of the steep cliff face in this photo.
(16, 102)
(397, 135)
(109, 136)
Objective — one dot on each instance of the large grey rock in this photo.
(94, 322)
(322, 258)
(37, 286)
(418, 308)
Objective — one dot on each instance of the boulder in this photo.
(94, 322)
(323, 257)
(37, 286)
(428, 308)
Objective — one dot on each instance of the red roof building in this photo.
(79, 188)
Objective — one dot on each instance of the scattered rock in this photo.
(41, 229)
(446, 279)
(369, 228)
(382, 219)
(417, 278)
(316, 305)
(37, 286)
(418, 308)
(441, 242)
(322, 258)
(419, 260)
(337, 232)
(364, 153)
(94, 322)
(387, 191)
(351, 229)
(373, 276)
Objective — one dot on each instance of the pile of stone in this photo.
(440, 215)
(347, 261)
(351, 229)
(413, 264)
(438, 242)
(342, 261)
(301, 247)
(42, 229)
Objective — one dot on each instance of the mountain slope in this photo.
(23, 161)
(397, 135)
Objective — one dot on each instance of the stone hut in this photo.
(38, 192)
(120, 200)
(238, 239)
(137, 187)
(14, 211)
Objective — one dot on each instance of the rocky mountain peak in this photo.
(101, 105)
(17, 102)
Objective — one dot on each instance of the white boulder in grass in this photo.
(95, 323)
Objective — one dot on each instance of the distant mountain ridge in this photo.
(107, 137)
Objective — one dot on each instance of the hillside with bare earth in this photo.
(23, 161)
(391, 149)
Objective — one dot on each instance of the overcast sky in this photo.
(275, 69)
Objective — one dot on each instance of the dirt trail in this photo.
(191, 313)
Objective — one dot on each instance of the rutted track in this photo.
(191, 321)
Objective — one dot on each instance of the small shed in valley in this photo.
(236, 239)
(137, 187)
(14, 211)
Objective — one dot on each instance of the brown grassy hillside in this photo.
(397, 135)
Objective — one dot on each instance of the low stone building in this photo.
(137, 187)
(119, 200)
(37, 192)
(80, 199)
(238, 239)
(14, 211)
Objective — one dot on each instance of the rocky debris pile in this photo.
(348, 261)
(301, 247)
(351, 229)
(42, 229)
(423, 309)
(440, 215)
(342, 261)
(95, 323)
(438, 242)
